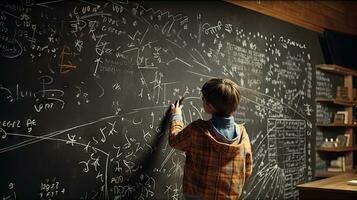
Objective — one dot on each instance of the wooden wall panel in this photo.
(314, 15)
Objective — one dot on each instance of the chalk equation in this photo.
(84, 87)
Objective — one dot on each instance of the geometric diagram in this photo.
(286, 150)
(279, 161)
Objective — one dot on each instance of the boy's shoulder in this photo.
(241, 127)
(199, 123)
(244, 136)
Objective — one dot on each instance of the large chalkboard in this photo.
(84, 86)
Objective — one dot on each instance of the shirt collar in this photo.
(222, 122)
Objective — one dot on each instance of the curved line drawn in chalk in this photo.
(3, 132)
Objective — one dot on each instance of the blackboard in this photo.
(84, 86)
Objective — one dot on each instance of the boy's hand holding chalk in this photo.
(177, 107)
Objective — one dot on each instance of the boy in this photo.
(218, 151)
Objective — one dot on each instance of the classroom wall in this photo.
(84, 86)
(313, 15)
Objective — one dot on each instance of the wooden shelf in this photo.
(337, 125)
(336, 69)
(327, 154)
(341, 149)
(336, 101)
(326, 174)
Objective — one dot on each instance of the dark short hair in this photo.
(222, 94)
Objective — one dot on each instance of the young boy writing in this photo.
(218, 151)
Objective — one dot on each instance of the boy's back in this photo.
(215, 167)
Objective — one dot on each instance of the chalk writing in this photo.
(50, 189)
(88, 83)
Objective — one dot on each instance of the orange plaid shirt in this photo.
(215, 167)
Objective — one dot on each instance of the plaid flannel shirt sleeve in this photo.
(180, 137)
(248, 155)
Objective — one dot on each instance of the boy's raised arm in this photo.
(179, 136)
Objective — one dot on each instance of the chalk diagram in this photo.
(158, 56)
